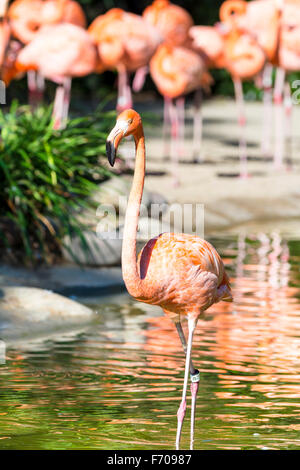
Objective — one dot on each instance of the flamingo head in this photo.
(128, 123)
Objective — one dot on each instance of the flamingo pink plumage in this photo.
(4, 38)
(171, 20)
(28, 16)
(125, 42)
(244, 58)
(181, 273)
(176, 71)
(59, 52)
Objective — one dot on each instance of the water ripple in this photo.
(118, 383)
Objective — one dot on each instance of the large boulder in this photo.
(27, 312)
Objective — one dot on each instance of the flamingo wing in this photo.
(182, 272)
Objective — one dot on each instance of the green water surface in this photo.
(116, 384)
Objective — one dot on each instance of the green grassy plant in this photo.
(46, 178)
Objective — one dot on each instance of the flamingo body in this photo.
(176, 70)
(181, 273)
(28, 16)
(172, 21)
(209, 42)
(289, 42)
(261, 19)
(124, 39)
(243, 56)
(4, 39)
(62, 50)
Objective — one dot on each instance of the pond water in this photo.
(116, 384)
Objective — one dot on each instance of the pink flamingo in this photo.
(28, 16)
(209, 43)
(181, 273)
(4, 32)
(288, 61)
(173, 22)
(226, 46)
(59, 52)
(176, 71)
(125, 42)
(244, 58)
(260, 19)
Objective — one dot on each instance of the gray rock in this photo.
(101, 252)
(67, 280)
(27, 311)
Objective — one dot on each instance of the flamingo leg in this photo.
(181, 122)
(238, 89)
(195, 377)
(197, 126)
(66, 99)
(192, 322)
(36, 87)
(279, 134)
(40, 85)
(128, 93)
(58, 107)
(140, 78)
(267, 110)
(174, 141)
(31, 83)
(166, 126)
(124, 91)
(184, 345)
(288, 109)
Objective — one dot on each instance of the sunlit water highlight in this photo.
(117, 383)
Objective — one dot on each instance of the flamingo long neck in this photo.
(130, 271)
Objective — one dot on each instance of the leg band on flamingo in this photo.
(195, 377)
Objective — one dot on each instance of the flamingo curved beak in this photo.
(114, 139)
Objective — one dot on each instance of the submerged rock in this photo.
(27, 311)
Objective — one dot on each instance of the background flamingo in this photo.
(181, 273)
(173, 23)
(59, 52)
(4, 32)
(244, 58)
(171, 20)
(176, 71)
(261, 19)
(288, 61)
(125, 42)
(28, 16)
(209, 43)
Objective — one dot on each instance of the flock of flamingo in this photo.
(181, 273)
(50, 39)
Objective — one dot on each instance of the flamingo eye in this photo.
(130, 121)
